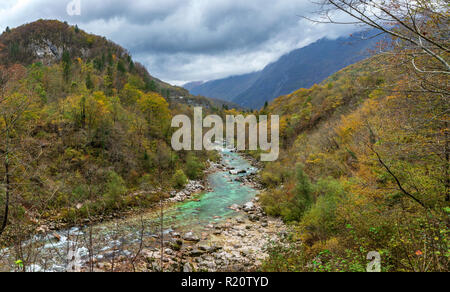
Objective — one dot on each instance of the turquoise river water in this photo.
(122, 237)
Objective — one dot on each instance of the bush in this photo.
(271, 201)
(270, 179)
(194, 168)
(80, 193)
(179, 179)
(275, 174)
(115, 189)
(321, 218)
(303, 199)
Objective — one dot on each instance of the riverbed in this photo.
(126, 238)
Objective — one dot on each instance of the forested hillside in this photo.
(365, 161)
(50, 41)
(84, 130)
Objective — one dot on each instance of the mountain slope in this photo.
(191, 85)
(226, 89)
(46, 41)
(83, 128)
(351, 147)
(301, 68)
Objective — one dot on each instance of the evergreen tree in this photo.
(109, 81)
(89, 83)
(121, 67)
(66, 63)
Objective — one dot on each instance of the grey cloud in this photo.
(185, 40)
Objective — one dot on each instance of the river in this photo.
(123, 237)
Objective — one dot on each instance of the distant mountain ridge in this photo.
(192, 85)
(300, 68)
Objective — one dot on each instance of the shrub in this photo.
(194, 168)
(115, 189)
(179, 179)
(320, 219)
(80, 193)
(271, 201)
(303, 199)
(275, 174)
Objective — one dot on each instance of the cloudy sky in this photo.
(188, 40)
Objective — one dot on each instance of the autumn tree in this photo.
(419, 51)
(156, 110)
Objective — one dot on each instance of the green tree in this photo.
(179, 179)
(303, 199)
(150, 85)
(121, 67)
(115, 190)
(66, 63)
(194, 167)
(109, 81)
(89, 83)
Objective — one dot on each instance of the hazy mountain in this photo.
(192, 85)
(225, 89)
(301, 68)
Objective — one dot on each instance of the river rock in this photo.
(239, 220)
(57, 236)
(196, 253)
(235, 207)
(205, 248)
(253, 218)
(241, 234)
(190, 236)
(250, 206)
(187, 268)
(43, 229)
(245, 252)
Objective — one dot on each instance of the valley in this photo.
(220, 229)
(97, 169)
